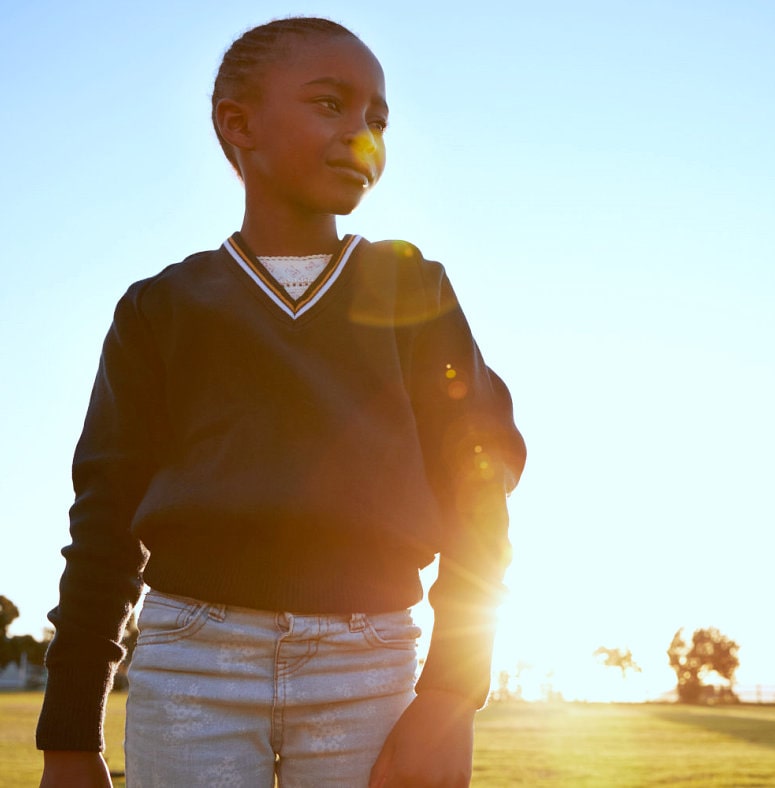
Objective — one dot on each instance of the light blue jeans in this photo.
(226, 696)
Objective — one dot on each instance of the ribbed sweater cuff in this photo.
(460, 657)
(74, 708)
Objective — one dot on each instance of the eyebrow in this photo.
(346, 86)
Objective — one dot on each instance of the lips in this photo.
(355, 172)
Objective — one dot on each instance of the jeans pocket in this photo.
(391, 630)
(165, 618)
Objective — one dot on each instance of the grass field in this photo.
(584, 745)
(626, 745)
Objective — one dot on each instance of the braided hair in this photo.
(256, 48)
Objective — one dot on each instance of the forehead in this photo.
(315, 59)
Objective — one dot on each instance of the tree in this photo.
(503, 692)
(522, 667)
(616, 658)
(12, 649)
(710, 652)
(8, 614)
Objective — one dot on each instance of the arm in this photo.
(474, 458)
(102, 580)
(431, 745)
(75, 770)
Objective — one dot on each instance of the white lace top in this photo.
(296, 274)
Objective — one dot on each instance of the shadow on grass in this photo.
(753, 730)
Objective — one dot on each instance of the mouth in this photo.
(363, 176)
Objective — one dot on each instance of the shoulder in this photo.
(399, 251)
(397, 273)
(178, 274)
(406, 260)
(189, 275)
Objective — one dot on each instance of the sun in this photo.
(547, 660)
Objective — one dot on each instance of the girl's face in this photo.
(317, 128)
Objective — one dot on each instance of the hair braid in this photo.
(258, 47)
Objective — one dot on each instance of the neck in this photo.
(270, 234)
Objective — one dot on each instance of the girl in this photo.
(282, 432)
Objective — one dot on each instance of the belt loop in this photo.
(357, 622)
(284, 622)
(217, 612)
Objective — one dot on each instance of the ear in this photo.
(233, 118)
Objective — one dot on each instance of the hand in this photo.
(74, 769)
(431, 745)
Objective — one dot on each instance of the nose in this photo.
(362, 142)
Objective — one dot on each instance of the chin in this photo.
(347, 200)
(345, 208)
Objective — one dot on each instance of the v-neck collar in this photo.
(293, 307)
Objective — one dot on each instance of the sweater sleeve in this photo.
(474, 456)
(101, 583)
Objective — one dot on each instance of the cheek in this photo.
(305, 136)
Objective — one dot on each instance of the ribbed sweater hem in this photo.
(74, 708)
(333, 580)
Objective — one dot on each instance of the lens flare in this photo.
(378, 302)
(457, 387)
(364, 147)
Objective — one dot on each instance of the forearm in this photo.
(475, 554)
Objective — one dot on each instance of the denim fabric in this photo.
(224, 696)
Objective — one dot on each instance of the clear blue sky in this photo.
(598, 179)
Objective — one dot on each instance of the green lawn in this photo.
(574, 745)
(21, 763)
(578, 745)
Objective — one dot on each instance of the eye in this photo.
(378, 126)
(329, 102)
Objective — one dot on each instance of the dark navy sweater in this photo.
(307, 456)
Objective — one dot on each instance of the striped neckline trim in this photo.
(235, 245)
